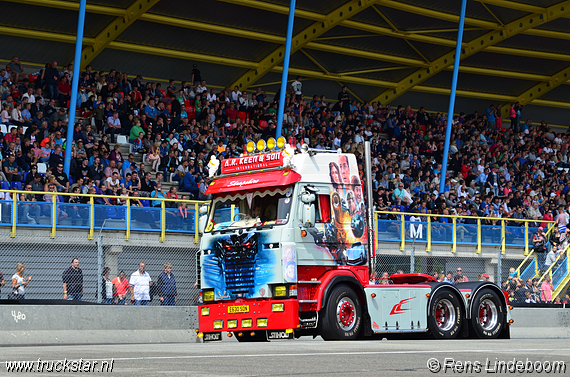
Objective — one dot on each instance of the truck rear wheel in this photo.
(445, 317)
(342, 319)
(487, 314)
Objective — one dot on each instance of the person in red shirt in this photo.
(64, 91)
(122, 285)
(232, 113)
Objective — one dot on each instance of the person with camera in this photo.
(158, 194)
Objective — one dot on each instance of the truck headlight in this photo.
(219, 324)
(279, 307)
(205, 311)
(280, 291)
(232, 323)
(262, 322)
(208, 295)
(246, 323)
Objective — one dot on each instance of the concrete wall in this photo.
(100, 324)
(96, 324)
(540, 323)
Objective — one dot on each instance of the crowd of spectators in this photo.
(495, 170)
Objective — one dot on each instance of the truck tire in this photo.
(445, 319)
(487, 314)
(342, 319)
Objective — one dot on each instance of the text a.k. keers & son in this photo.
(246, 163)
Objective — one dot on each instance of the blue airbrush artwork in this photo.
(237, 265)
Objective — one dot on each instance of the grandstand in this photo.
(201, 80)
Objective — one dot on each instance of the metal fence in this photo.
(46, 259)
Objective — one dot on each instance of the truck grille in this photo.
(239, 257)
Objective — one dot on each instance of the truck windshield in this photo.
(252, 208)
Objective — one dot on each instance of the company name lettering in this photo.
(259, 161)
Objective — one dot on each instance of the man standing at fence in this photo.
(139, 285)
(167, 286)
(73, 282)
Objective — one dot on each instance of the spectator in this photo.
(121, 284)
(166, 285)
(550, 258)
(139, 286)
(460, 274)
(539, 242)
(19, 283)
(108, 289)
(73, 282)
(11, 170)
(546, 289)
(158, 194)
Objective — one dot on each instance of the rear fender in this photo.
(445, 285)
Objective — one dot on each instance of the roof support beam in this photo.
(479, 44)
(302, 39)
(250, 65)
(114, 29)
(373, 29)
(540, 89)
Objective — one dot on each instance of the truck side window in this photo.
(323, 209)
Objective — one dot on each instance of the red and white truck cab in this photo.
(287, 251)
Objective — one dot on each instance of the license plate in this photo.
(238, 309)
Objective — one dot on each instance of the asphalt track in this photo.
(302, 357)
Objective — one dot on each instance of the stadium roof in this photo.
(392, 51)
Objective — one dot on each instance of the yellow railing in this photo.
(400, 219)
(193, 205)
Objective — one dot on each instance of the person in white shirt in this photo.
(30, 96)
(211, 96)
(139, 285)
(297, 88)
(235, 95)
(113, 181)
(202, 88)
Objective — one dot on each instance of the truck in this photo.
(288, 250)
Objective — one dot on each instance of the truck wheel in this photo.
(445, 319)
(487, 314)
(342, 319)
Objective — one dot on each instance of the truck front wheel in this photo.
(342, 319)
(445, 317)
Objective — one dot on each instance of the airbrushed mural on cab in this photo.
(344, 237)
(237, 265)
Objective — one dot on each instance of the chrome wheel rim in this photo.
(445, 315)
(346, 314)
(487, 314)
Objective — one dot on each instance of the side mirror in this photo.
(203, 210)
(202, 220)
(308, 215)
(308, 198)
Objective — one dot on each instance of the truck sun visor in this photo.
(253, 181)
